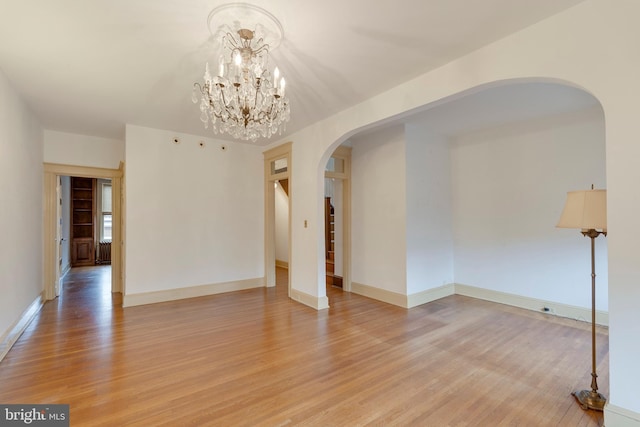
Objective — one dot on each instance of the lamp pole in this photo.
(592, 399)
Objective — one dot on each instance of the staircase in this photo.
(329, 227)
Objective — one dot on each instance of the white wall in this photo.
(82, 150)
(378, 210)
(21, 179)
(401, 204)
(282, 224)
(194, 216)
(428, 209)
(510, 185)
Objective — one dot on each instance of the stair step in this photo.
(330, 267)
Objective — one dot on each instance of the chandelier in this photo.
(244, 98)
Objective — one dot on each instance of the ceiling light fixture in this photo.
(244, 98)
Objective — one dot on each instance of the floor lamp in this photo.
(587, 210)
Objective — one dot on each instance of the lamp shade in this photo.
(585, 209)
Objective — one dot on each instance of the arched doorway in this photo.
(508, 108)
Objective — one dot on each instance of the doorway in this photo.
(54, 245)
(281, 193)
(85, 233)
(337, 201)
(277, 170)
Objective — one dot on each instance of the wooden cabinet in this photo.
(83, 217)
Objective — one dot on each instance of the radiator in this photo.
(104, 253)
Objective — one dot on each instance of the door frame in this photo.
(51, 270)
(59, 237)
(280, 152)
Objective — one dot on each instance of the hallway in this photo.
(89, 287)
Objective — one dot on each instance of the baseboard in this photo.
(429, 295)
(13, 333)
(130, 300)
(319, 303)
(379, 294)
(282, 264)
(414, 300)
(65, 271)
(614, 416)
(405, 301)
(557, 309)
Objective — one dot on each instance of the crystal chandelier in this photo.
(244, 99)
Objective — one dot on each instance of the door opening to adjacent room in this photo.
(337, 201)
(277, 224)
(85, 235)
(83, 229)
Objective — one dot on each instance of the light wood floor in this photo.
(257, 358)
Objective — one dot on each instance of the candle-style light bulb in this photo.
(282, 84)
(237, 74)
(221, 68)
(276, 74)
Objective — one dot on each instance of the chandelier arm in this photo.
(264, 47)
(232, 41)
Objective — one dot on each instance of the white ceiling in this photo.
(90, 67)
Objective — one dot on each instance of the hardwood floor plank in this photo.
(256, 358)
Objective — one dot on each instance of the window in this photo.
(279, 166)
(335, 164)
(106, 217)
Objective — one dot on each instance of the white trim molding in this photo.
(51, 273)
(130, 300)
(319, 303)
(534, 304)
(65, 271)
(14, 332)
(383, 295)
(429, 295)
(615, 416)
(405, 301)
